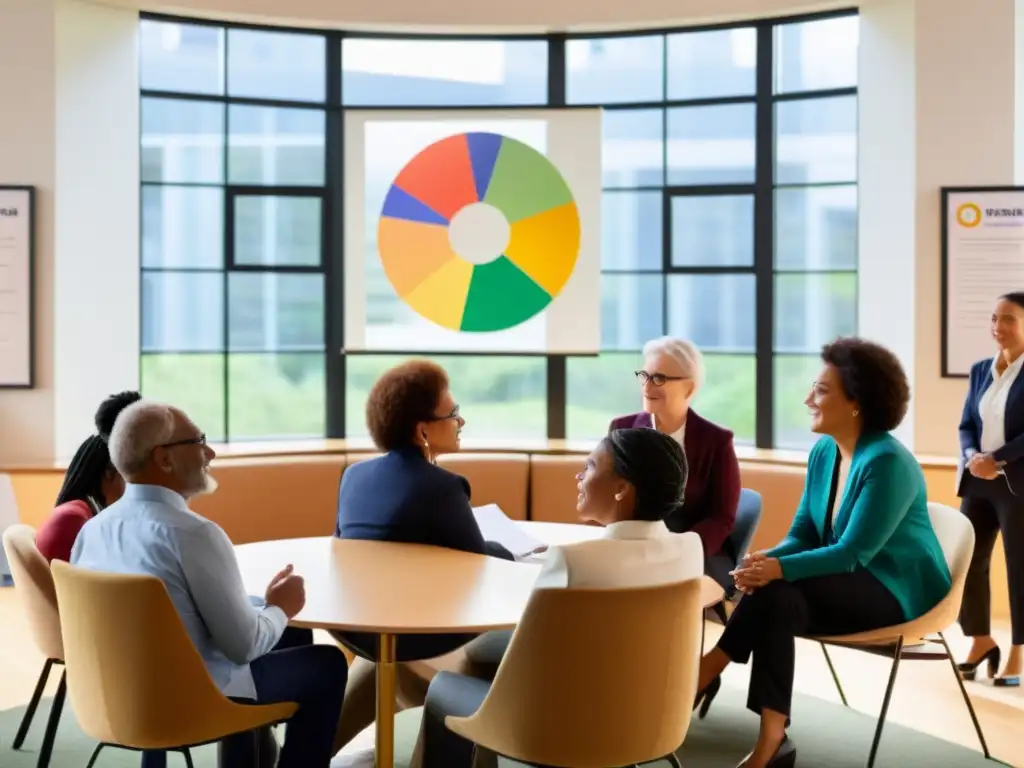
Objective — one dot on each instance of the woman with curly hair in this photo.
(861, 553)
(404, 496)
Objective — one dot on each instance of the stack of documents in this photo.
(496, 526)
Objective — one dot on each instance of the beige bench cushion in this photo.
(274, 498)
(553, 487)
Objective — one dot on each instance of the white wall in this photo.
(27, 126)
(939, 97)
(70, 128)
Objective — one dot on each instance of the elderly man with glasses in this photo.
(165, 461)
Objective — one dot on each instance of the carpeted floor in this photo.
(826, 734)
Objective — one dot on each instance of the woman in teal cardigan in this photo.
(861, 553)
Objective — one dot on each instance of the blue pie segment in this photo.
(399, 204)
(483, 153)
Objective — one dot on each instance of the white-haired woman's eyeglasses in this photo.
(657, 379)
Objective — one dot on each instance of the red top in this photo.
(713, 484)
(57, 535)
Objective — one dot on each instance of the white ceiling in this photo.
(482, 15)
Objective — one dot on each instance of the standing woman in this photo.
(992, 489)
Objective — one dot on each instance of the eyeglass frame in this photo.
(198, 440)
(644, 377)
(453, 416)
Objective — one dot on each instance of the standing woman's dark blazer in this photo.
(402, 497)
(712, 484)
(970, 426)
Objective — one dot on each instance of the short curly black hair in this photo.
(403, 396)
(873, 377)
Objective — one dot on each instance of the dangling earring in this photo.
(426, 450)
(856, 413)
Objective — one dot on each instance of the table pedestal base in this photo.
(387, 683)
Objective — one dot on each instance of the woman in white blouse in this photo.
(630, 483)
(991, 489)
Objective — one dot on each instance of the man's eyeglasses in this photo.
(657, 379)
(200, 440)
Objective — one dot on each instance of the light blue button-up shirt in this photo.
(150, 530)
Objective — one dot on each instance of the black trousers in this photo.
(450, 694)
(992, 510)
(765, 625)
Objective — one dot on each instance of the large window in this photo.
(729, 216)
(233, 193)
(678, 217)
(815, 208)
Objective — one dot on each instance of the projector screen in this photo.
(473, 231)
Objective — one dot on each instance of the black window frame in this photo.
(762, 187)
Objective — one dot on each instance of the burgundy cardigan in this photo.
(713, 484)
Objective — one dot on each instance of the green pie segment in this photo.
(524, 182)
(501, 296)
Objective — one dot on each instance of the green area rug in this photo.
(826, 734)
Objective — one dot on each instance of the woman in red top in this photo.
(90, 484)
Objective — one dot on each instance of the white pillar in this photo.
(96, 281)
(70, 128)
(938, 103)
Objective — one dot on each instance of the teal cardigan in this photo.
(881, 524)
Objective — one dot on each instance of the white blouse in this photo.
(992, 406)
(680, 434)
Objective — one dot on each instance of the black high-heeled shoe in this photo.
(784, 757)
(705, 697)
(969, 669)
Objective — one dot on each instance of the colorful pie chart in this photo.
(479, 232)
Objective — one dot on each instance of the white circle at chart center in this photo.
(479, 233)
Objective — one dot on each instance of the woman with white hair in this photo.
(672, 375)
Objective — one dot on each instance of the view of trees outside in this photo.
(233, 170)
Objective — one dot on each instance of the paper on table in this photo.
(496, 526)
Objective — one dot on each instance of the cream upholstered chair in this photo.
(911, 640)
(135, 679)
(33, 583)
(557, 701)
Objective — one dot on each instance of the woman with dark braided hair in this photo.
(90, 484)
(630, 483)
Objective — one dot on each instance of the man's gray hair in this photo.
(139, 428)
(684, 352)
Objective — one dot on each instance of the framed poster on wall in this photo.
(982, 258)
(17, 257)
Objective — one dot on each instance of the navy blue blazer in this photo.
(1013, 425)
(402, 497)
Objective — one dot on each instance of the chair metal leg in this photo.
(95, 754)
(720, 612)
(885, 702)
(835, 675)
(967, 699)
(188, 758)
(54, 720)
(673, 761)
(37, 694)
